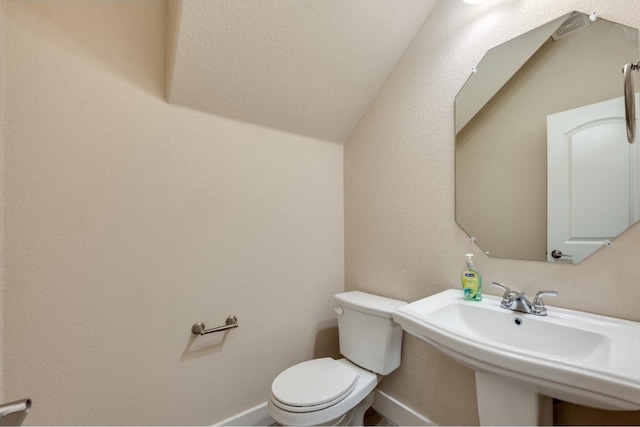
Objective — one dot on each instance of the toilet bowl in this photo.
(320, 392)
(326, 391)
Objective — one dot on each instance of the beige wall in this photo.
(127, 220)
(401, 237)
(1, 205)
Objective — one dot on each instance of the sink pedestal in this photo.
(502, 402)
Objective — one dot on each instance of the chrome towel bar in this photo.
(199, 328)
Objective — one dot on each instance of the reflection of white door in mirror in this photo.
(592, 180)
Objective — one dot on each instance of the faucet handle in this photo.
(500, 285)
(538, 303)
(508, 297)
(538, 298)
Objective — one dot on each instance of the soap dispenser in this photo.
(471, 281)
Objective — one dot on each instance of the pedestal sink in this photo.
(523, 360)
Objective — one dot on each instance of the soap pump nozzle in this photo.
(469, 260)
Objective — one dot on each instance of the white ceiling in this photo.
(309, 67)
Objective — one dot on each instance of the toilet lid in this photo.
(313, 383)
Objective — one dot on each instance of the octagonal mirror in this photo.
(544, 171)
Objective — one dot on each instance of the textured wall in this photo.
(127, 220)
(401, 238)
(1, 204)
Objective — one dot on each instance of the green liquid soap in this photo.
(471, 281)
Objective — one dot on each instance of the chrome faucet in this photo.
(517, 301)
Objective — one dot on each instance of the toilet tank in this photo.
(368, 335)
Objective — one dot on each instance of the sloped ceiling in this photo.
(309, 67)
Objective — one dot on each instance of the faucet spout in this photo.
(517, 301)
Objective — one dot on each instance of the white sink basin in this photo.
(578, 357)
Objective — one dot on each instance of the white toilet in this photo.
(338, 392)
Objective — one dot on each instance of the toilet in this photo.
(327, 391)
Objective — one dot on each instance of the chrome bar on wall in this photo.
(630, 99)
(199, 328)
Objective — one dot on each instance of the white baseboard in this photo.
(256, 416)
(397, 412)
(392, 409)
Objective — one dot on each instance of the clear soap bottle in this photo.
(471, 281)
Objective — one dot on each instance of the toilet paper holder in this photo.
(199, 328)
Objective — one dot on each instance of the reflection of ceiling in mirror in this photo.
(501, 181)
(496, 68)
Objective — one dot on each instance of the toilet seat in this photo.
(313, 385)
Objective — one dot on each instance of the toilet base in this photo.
(354, 416)
(357, 418)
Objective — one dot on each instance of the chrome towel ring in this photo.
(630, 99)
